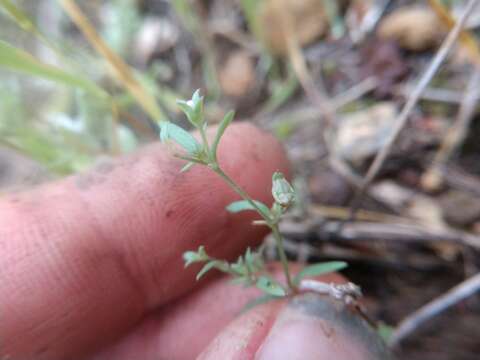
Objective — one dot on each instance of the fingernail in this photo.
(315, 327)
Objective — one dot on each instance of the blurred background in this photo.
(375, 101)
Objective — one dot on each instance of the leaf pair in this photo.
(212, 264)
(191, 257)
(193, 110)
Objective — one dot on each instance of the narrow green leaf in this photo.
(207, 267)
(182, 137)
(258, 301)
(227, 120)
(243, 205)
(270, 286)
(18, 15)
(187, 167)
(19, 60)
(319, 269)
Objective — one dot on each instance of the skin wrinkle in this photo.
(99, 260)
(131, 268)
(118, 256)
(187, 218)
(160, 263)
(34, 228)
(43, 232)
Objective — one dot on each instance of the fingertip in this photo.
(307, 326)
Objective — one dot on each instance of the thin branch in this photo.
(361, 231)
(402, 118)
(435, 307)
(432, 94)
(308, 113)
(459, 179)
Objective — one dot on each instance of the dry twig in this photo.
(316, 95)
(361, 231)
(435, 307)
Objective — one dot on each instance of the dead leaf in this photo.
(362, 133)
(237, 75)
(308, 20)
(415, 28)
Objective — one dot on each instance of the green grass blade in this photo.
(19, 16)
(19, 60)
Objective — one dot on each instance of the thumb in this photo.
(308, 326)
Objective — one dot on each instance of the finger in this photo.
(83, 260)
(196, 318)
(307, 327)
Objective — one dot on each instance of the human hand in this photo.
(91, 267)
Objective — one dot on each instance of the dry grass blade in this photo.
(401, 120)
(121, 70)
(432, 179)
(299, 64)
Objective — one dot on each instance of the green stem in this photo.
(283, 257)
(241, 192)
(204, 139)
(273, 226)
